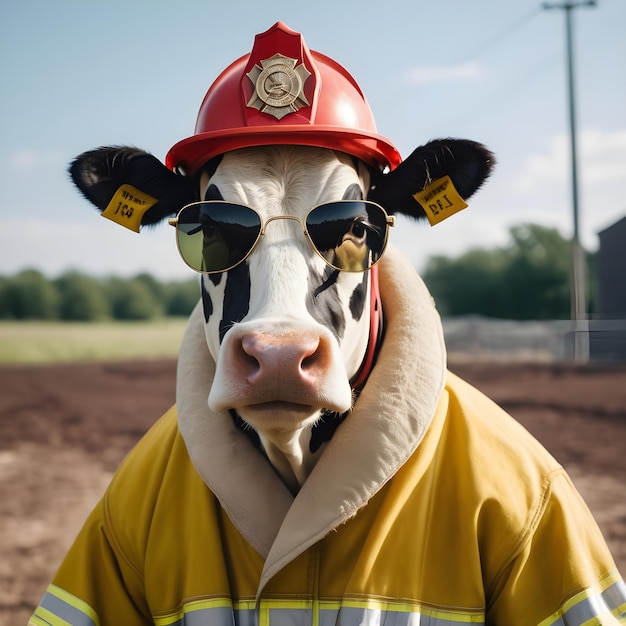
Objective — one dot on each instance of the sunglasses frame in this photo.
(390, 221)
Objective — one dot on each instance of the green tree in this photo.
(156, 288)
(82, 298)
(537, 277)
(131, 299)
(29, 295)
(528, 279)
(4, 305)
(181, 297)
(468, 284)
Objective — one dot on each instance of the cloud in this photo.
(603, 156)
(544, 181)
(601, 159)
(428, 74)
(26, 159)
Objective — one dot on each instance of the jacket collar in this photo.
(387, 424)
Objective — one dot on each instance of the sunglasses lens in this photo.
(350, 235)
(215, 236)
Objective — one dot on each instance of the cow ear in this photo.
(131, 186)
(467, 163)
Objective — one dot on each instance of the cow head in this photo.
(283, 199)
(288, 315)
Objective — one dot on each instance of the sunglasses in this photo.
(215, 236)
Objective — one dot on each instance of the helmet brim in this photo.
(190, 154)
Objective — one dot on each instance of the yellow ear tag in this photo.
(440, 200)
(127, 207)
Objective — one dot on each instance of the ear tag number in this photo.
(127, 207)
(440, 200)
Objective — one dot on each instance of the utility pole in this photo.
(579, 290)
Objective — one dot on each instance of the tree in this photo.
(537, 278)
(4, 305)
(528, 279)
(82, 298)
(468, 284)
(29, 295)
(133, 300)
(156, 288)
(180, 298)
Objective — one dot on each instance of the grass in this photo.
(55, 342)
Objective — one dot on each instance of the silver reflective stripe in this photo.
(377, 617)
(611, 600)
(353, 616)
(66, 611)
(328, 617)
(245, 617)
(285, 615)
(220, 616)
(615, 597)
(585, 610)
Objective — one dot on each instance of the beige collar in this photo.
(386, 426)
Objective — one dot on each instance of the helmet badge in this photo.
(278, 86)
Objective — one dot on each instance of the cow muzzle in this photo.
(279, 375)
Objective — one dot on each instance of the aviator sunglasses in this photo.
(215, 236)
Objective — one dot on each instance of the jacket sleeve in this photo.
(562, 573)
(95, 584)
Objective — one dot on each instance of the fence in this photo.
(555, 340)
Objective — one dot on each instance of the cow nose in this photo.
(285, 362)
(298, 357)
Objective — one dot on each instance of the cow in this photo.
(321, 465)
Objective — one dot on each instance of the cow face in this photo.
(287, 322)
(286, 329)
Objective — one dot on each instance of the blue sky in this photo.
(76, 74)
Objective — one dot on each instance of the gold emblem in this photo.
(278, 86)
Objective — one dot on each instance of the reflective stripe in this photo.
(59, 608)
(615, 598)
(220, 612)
(198, 612)
(609, 600)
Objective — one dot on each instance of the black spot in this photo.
(207, 302)
(213, 193)
(324, 429)
(329, 281)
(323, 301)
(236, 297)
(357, 299)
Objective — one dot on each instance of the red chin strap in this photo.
(376, 332)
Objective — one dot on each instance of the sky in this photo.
(77, 74)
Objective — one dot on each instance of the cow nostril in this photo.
(309, 361)
(247, 360)
(315, 359)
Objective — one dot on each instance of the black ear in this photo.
(100, 174)
(467, 163)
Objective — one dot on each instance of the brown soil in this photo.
(64, 429)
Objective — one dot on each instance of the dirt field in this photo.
(64, 429)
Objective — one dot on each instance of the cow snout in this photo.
(280, 368)
(299, 358)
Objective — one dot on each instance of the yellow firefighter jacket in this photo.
(430, 505)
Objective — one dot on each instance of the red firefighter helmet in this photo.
(283, 93)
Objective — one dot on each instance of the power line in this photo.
(504, 33)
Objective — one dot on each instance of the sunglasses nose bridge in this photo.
(281, 217)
